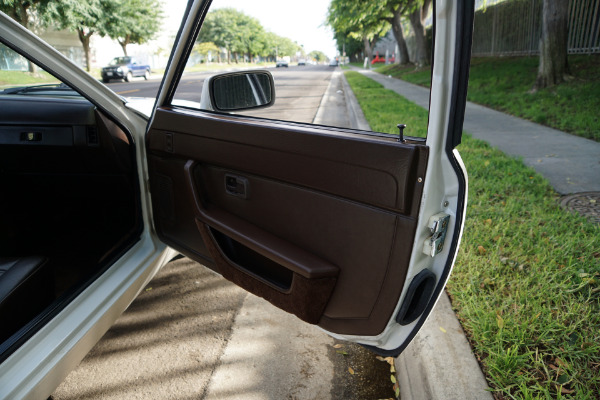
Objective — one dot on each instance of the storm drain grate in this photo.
(586, 204)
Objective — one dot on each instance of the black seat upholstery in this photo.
(25, 289)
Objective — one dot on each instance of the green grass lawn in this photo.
(380, 107)
(356, 64)
(18, 78)
(526, 283)
(504, 83)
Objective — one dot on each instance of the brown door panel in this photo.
(371, 170)
(174, 212)
(322, 234)
(347, 234)
(306, 298)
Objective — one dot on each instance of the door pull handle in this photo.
(237, 186)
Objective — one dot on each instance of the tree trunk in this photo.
(124, 44)
(423, 56)
(24, 20)
(369, 48)
(553, 44)
(85, 42)
(19, 13)
(402, 56)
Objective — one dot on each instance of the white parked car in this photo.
(353, 231)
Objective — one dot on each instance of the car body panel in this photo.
(36, 367)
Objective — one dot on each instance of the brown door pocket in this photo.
(264, 264)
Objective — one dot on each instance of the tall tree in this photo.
(317, 55)
(240, 34)
(250, 35)
(85, 17)
(417, 16)
(270, 46)
(132, 21)
(23, 12)
(349, 44)
(20, 11)
(359, 20)
(275, 46)
(391, 11)
(206, 49)
(219, 28)
(553, 65)
(398, 10)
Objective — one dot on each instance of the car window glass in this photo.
(110, 37)
(60, 157)
(19, 76)
(293, 42)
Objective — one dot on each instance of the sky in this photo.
(301, 21)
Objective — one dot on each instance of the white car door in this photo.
(81, 148)
(354, 232)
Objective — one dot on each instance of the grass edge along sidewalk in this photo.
(526, 283)
(504, 84)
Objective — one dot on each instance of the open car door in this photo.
(352, 231)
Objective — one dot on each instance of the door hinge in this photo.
(438, 224)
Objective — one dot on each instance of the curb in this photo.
(355, 113)
(439, 362)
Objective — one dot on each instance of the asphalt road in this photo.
(298, 90)
(193, 335)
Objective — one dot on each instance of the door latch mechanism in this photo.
(438, 224)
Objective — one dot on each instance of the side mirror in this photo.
(237, 91)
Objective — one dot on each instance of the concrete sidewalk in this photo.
(570, 163)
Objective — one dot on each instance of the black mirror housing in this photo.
(241, 90)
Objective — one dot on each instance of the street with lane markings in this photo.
(298, 90)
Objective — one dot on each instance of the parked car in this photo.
(333, 62)
(281, 63)
(353, 231)
(301, 62)
(124, 68)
